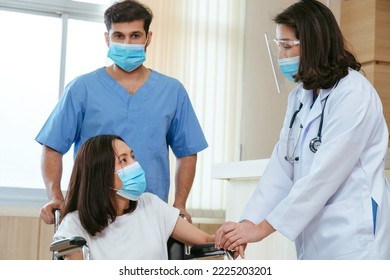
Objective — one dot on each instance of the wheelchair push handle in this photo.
(63, 246)
(57, 215)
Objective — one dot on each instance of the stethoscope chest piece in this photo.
(314, 144)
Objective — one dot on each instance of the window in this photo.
(29, 79)
(86, 44)
(32, 79)
(101, 2)
(199, 42)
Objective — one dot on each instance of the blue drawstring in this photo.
(374, 210)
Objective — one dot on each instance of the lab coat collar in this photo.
(305, 97)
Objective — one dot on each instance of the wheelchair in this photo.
(176, 249)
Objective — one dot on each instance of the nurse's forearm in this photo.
(185, 173)
(51, 167)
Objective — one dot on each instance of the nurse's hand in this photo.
(185, 214)
(47, 211)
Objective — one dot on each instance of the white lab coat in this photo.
(323, 201)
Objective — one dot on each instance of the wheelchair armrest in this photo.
(206, 250)
(65, 246)
(68, 243)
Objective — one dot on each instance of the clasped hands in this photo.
(235, 236)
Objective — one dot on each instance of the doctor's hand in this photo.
(231, 235)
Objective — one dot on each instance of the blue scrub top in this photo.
(158, 116)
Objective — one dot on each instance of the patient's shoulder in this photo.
(151, 202)
(72, 216)
(149, 196)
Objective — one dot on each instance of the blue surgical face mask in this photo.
(289, 67)
(133, 179)
(127, 56)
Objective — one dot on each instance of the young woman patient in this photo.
(106, 205)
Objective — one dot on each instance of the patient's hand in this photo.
(75, 256)
(239, 251)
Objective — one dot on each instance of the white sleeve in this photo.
(70, 227)
(167, 215)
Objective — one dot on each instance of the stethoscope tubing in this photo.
(315, 142)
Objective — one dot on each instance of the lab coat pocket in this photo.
(338, 230)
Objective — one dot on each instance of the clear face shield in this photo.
(281, 82)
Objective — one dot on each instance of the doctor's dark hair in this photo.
(89, 189)
(128, 11)
(324, 59)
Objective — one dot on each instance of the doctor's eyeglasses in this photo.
(286, 43)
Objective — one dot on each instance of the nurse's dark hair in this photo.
(128, 11)
(324, 58)
(89, 189)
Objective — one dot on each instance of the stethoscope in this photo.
(314, 144)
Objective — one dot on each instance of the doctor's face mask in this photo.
(289, 67)
(289, 50)
(133, 179)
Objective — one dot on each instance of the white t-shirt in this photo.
(140, 235)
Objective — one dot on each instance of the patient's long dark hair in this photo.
(324, 59)
(89, 187)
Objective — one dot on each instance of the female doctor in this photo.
(324, 186)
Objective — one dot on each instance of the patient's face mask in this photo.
(133, 179)
(289, 67)
(127, 56)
